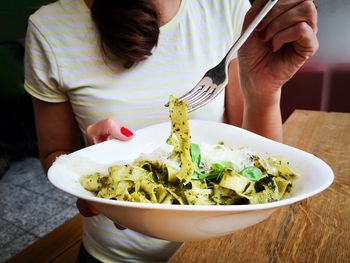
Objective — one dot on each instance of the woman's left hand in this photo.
(280, 45)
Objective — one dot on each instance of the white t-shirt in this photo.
(64, 62)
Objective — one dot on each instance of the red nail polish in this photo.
(104, 138)
(259, 27)
(126, 132)
(88, 213)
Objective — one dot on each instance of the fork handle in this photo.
(243, 37)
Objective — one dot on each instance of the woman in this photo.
(97, 67)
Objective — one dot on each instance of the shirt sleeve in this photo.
(42, 79)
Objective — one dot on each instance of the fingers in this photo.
(101, 130)
(281, 7)
(305, 12)
(85, 208)
(277, 10)
(88, 211)
(291, 21)
(305, 40)
(119, 226)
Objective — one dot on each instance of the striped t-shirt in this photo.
(64, 62)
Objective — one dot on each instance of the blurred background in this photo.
(323, 83)
(17, 133)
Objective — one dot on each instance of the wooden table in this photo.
(313, 230)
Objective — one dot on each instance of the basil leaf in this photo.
(253, 173)
(218, 166)
(196, 175)
(195, 153)
(213, 175)
(225, 164)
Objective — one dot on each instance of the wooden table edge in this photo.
(54, 244)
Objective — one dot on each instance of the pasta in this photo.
(195, 174)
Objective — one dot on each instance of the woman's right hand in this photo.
(111, 127)
(96, 133)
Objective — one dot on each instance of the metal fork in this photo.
(215, 80)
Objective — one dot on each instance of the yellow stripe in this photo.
(94, 73)
(51, 20)
(151, 111)
(102, 72)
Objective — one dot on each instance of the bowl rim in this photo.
(198, 208)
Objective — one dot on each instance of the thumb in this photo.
(253, 12)
(85, 208)
(101, 130)
(121, 133)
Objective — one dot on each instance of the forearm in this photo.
(262, 114)
(57, 130)
(233, 97)
(49, 159)
(273, 53)
(50, 147)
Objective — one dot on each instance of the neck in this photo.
(167, 9)
(89, 3)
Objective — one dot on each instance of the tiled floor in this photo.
(30, 207)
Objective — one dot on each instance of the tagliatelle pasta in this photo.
(195, 174)
(180, 128)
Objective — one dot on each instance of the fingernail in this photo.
(262, 35)
(104, 138)
(259, 27)
(87, 212)
(119, 227)
(126, 132)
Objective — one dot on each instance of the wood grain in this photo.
(314, 230)
(60, 245)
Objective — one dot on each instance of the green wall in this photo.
(14, 15)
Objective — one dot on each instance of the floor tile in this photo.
(61, 196)
(25, 208)
(8, 232)
(30, 206)
(22, 171)
(16, 246)
(53, 222)
(39, 184)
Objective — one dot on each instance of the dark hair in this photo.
(128, 29)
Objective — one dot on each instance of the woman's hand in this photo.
(97, 133)
(88, 210)
(274, 52)
(111, 127)
(281, 44)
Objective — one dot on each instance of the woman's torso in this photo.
(195, 40)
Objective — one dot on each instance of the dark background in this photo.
(17, 132)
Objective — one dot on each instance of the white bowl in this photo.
(186, 222)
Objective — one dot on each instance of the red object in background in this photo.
(305, 90)
(339, 99)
